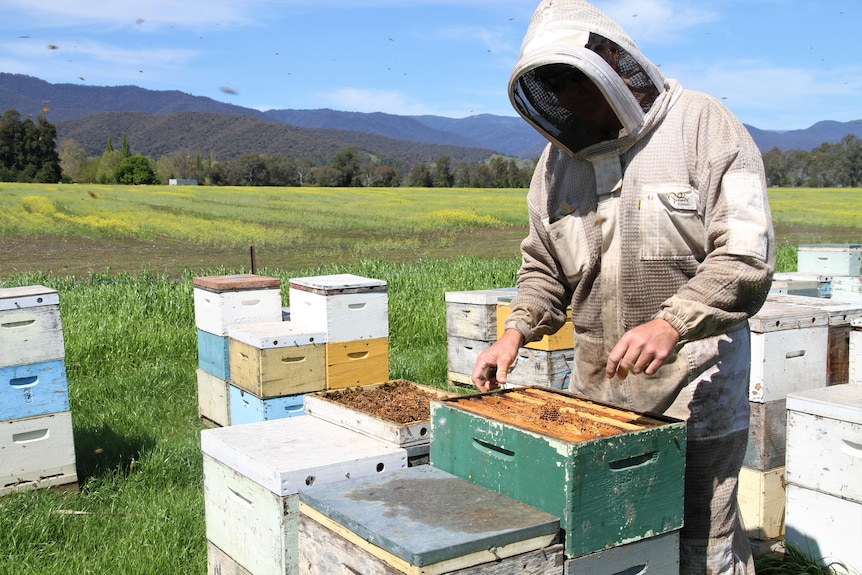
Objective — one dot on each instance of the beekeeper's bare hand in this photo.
(494, 363)
(642, 349)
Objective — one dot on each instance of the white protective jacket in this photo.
(669, 218)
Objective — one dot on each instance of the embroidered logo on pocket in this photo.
(682, 200)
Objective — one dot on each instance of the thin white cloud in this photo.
(789, 97)
(392, 101)
(658, 21)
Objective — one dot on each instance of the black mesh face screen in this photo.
(535, 90)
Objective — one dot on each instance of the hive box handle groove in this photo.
(30, 436)
(491, 449)
(636, 461)
(22, 382)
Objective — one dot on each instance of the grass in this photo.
(129, 330)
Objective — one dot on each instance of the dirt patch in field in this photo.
(398, 400)
(79, 255)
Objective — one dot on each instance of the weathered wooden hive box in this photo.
(612, 475)
(834, 259)
(414, 436)
(252, 476)
(472, 314)
(841, 315)
(471, 328)
(36, 436)
(30, 327)
(824, 473)
(788, 350)
(659, 554)
(422, 520)
(274, 359)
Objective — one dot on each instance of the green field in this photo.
(123, 259)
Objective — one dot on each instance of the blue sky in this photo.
(778, 64)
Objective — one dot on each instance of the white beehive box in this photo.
(824, 440)
(415, 436)
(543, 368)
(225, 301)
(828, 525)
(213, 398)
(855, 368)
(461, 355)
(277, 358)
(760, 497)
(345, 306)
(788, 350)
(252, 475)
(30, 326)
(847, 288)
(472, 315)
(841, 315)
(37, 452)
(833, 259)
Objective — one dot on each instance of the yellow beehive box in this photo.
(562, 339)
(358, 362)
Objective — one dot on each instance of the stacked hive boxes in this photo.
(353, 314)
(474, 321)
(252, 475)
(588, 463)
(36, 444)
(841, 261)
(788, 354)
(471, 328)
(841, 316)
(222, 302)
(273, 365)
(546, 362)
(824, 475)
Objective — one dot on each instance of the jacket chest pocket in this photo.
(569, 241)
(670, 226)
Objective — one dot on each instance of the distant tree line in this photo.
(28, 153)
(826, 166)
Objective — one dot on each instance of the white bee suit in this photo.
(667, 218)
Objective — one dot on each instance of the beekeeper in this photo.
(649, 217)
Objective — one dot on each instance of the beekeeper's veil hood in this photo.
(573, 34)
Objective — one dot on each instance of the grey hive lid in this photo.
(424, 515)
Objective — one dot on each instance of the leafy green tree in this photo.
(124, 146)
(135, 170)
(73, 159)
(346, 163)
(420, 176)
(443, 172)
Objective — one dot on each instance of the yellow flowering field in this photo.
(228, 216)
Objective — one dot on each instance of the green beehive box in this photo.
(612, 475)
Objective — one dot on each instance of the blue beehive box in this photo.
(214, 354)
(33, 389)
(246, 407)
